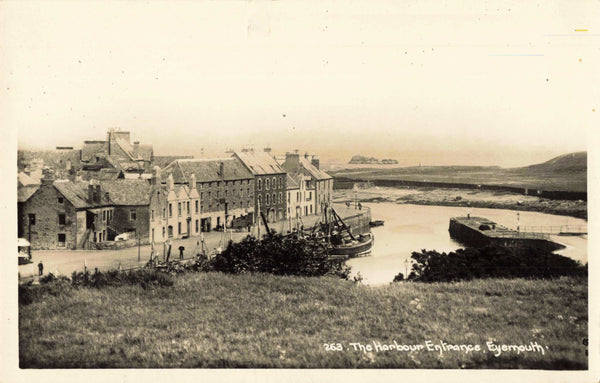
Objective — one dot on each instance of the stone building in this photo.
(66, 214)
(318, 184)
(225, 190)
(270, 184)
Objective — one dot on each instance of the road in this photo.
(64, 262)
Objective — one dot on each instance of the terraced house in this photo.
(270, 182)
(200, 195)
(318, 185)
(66, 214)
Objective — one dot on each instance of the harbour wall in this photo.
(473, 237)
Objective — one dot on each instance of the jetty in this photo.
(478, 231)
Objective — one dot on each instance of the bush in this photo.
(491, 262)
(279, 255)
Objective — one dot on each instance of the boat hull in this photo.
(354, 250)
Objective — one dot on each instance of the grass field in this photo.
(218, 320)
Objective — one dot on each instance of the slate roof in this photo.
(206, 170)
(90, 148)
(260, 163)
(292, 183)
(26, 180)
(24, 192)
(313, 171)
(120, 192)
(127, 192)
(76, 192)
(163, 161)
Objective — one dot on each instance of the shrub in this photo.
(491, 262)
(280, 255)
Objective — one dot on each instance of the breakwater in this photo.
(478, 231)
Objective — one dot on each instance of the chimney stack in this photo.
(156, 180)
(192, 181)
(171, 182)
(221, 169)
(136, 148)
(315, 162)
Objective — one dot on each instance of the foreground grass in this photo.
(218, 320)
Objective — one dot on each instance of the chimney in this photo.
(306, 155)
(192, 181)
(171, 182)
(221, 169)
(136, 148)
(155, 180)
(315, 162)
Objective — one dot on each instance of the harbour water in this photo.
(411, 228)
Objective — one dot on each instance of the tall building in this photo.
(270, 184)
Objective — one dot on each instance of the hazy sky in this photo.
(432, 82)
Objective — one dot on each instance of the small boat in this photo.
(359, 247)
(376, 223)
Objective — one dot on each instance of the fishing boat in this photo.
(339, 238)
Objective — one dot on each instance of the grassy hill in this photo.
(565, 173)
(255, 320)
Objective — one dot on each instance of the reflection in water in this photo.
(411, 228)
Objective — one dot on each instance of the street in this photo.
(64, 262)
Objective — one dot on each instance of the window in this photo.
(60, 200)
(297, 196)
(259, 199)
(62, 219)
(274, 198)
(310, 209)
(179, 227)
(280, 197)
(104, 215)
(62, 240)
(132, 215)
(188, 207)
(178, 208)
(164, 215)
(197, 226)
(163, 232)
(170, 231)
(202, 209)
(196, 206)
(267, 184)
(267, 200)
(259, 185)
(201, 196)
(289, 197)
(170, 210)
(152, 215)
(248, 191)
(274, 183)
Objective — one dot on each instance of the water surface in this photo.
(411, 228)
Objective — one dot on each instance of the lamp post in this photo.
(406, 268)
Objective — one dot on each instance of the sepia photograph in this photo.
(268, 190)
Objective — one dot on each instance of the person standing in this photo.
(181, 248)
(41, 268)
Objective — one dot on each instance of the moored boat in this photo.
(360, 247)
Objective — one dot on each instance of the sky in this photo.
(431, 82)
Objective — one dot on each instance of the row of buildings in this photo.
(100, 198)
